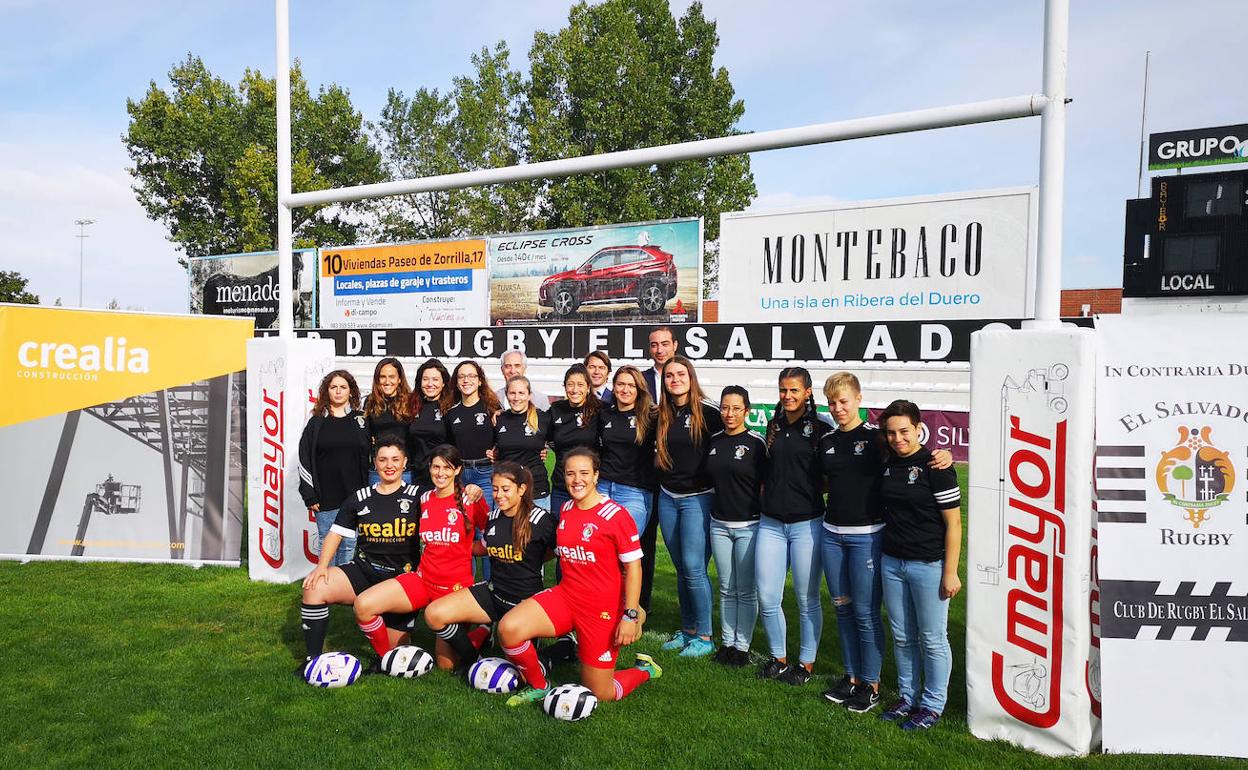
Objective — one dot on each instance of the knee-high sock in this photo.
(627, 680)
(524, 658)
(375, 630)
(479, 636)
(460, 641)
(315, 627)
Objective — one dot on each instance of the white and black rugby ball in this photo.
(496, 675)
(570, 702)
(332, 669)
(408, 661)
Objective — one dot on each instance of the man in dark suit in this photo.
(598, 364)
(663, 346)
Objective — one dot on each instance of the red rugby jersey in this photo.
(592, 544)
(446, 533)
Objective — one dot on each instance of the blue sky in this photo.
(68, 67)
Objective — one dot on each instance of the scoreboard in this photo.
(1190, 239)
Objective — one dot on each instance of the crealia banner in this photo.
(1031, 666)
(282, 380)
(121, 435)
(1171, 464)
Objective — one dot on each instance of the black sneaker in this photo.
(773, 669)
(795, 675)
(738, 658)
(863, 698)
(840, 691)
(724, 655)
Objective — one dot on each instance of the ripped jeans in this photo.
(852, 566)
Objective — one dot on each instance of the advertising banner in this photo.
(1031, 666)
(941, 429)
(645, 272)
(1198, 147)
(121, 435)
(959, 256)
(433, 283)
(862, 341)
(246, 285)
(282, 381)
(1171, 456)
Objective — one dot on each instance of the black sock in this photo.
(457, 637)
(315, 627)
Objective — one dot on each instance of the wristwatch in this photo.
(631, 615)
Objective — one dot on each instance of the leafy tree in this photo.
(205, 165)
(626, 74)
(13, 289)
(1183, 474)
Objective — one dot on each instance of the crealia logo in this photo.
(1030, 690)
(64, 358)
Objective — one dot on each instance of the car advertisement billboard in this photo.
(957, 256)
(389, 285)
(245, 285)
(648, 272)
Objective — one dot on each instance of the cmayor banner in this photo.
(1171, 457)
(959, 256)
(282, 380)
(246, 285)
(861, 341)
(120, 434)
(1031, 666)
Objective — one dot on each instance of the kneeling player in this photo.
(384, 520)
(446, 525)
(519, 538)
(595, 537)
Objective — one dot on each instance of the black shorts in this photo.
(364, 577)
(494, 605)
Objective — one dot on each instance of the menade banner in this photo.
(245, 285)
(863, 341)
(1171, 463)
(958, 256)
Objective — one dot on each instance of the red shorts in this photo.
(595, 631)
(420, 592)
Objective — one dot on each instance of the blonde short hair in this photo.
(841, 381)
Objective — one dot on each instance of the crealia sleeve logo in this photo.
(57, 360)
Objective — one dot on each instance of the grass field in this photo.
(155, 666)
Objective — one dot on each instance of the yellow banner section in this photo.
(54, 360)
(403, 257)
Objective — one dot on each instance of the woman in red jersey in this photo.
(446, 527)
(599, 552)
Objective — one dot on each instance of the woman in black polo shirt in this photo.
(922, 542)
(470, 425)
(734, 463)
(573, 423)
(386, 409)
(431, 397)
(520, 436)
(789, 529)
(686, 424)
(333, 455)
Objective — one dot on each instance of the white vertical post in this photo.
(1052, 163)
(285, 238)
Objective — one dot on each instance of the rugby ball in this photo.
(332, 669)
(408, 661)
(570, 702)
(496, 675)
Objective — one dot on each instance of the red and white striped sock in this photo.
(478, 636)
(375, 630)
(525, 659)
(628, 679)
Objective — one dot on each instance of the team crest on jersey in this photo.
(587, 532)
(807, 429)
(359, 420)
(604, 615)
(740, 451)
(527, 430)
(580, 420)
(480, 418)
(688, 417)
(437, 415)
(859, 447)
(913, 476)
(452, 516)
(405, 505)
(632, 423)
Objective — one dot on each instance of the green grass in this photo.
(156, 666)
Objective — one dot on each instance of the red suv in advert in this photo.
(642, 274)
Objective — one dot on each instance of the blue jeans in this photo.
(851, 564)
(482, 476)
(738, 602)
(634, 499)
(346, 550)
(557, 499)
(919, 619)
(375, 478)
(782, 547)
(685, 522)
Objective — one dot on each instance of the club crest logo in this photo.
(527, 430)
(437, 415)
(587, 532)
(480, 418)
(807, 429)
(452, 517)
(359, 420)
(632, 423)
(405, 505)
(859, 447)
(740, 451)
(1195, 475)
(688, 417)
(913, 475)
(580, 420)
